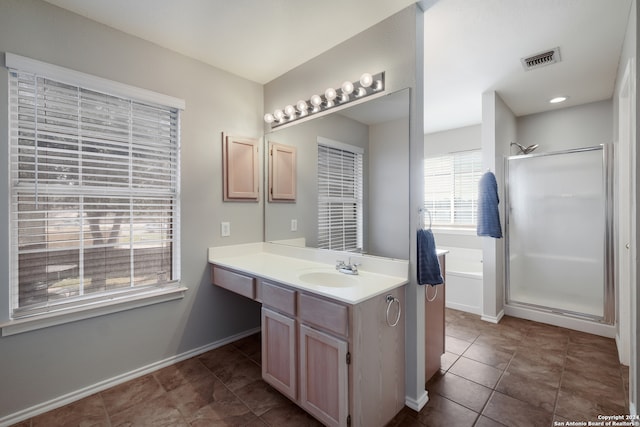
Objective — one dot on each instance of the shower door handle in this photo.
(627, 246)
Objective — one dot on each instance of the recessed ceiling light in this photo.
(557, 99)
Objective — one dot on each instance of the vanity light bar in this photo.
(348, 92)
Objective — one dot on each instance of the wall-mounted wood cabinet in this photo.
(282, 172)
(240, 168)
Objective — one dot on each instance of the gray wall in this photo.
(581, 126)
(449, 141)
(42, 365)
(396, 46)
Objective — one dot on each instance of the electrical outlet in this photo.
(225, 229)
(294, 225)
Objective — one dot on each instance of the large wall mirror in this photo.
(368, 142)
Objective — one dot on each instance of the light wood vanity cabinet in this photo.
(279, 352)
(324, 366)
(342, 363)
(234, 282)
(434, 324)
(301, 355)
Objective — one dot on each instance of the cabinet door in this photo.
(282, 172)
(241, 168)
(279, 352)
(323, 376)
(434, 324)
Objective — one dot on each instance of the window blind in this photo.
(94, 194)
(340, 223)
(451, 187)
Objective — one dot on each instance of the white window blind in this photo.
(340, 171)
(451, 188)
(94, 194)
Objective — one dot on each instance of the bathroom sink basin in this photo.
(328, 278)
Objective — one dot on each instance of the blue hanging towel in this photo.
(488, 215)
(428, 265)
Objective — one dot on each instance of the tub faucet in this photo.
(347, 268)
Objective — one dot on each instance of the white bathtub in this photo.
(463, 279)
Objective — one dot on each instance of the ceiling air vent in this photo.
(541, 59)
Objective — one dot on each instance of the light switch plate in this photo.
(225, 229)
(294, 225)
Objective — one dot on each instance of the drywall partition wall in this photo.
(498, 130)
(581, 126)
(453, 140)
(632, 37)
(395, 46)
(50, 365)
(629, 54)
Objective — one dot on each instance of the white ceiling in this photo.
(473, 46)
(470, 45)
(255, 39)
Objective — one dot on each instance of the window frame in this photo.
(103, 302)
(358, 199)
(431, 214)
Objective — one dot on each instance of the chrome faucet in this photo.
(347, 268)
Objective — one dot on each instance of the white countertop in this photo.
(286, 265)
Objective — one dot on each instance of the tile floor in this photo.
(521, 373)
(517, 373)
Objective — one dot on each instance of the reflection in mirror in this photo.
(325, 212)
(282, 172)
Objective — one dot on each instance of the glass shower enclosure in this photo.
(558, 233)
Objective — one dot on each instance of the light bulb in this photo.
(344, 98)
(377, 85)
(302, 106)
(290, 111)
(278, 114)
(330, 94)
(347, 88)
(366, 80)
(316, 100)
(361, 92)
(269, 118)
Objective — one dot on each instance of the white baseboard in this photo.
(493, 319)
(111, 382)
(417, 404)
(623, 354)
(464, 307)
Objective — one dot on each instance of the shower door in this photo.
(558, 232)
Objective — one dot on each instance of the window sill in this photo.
(61, 317)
